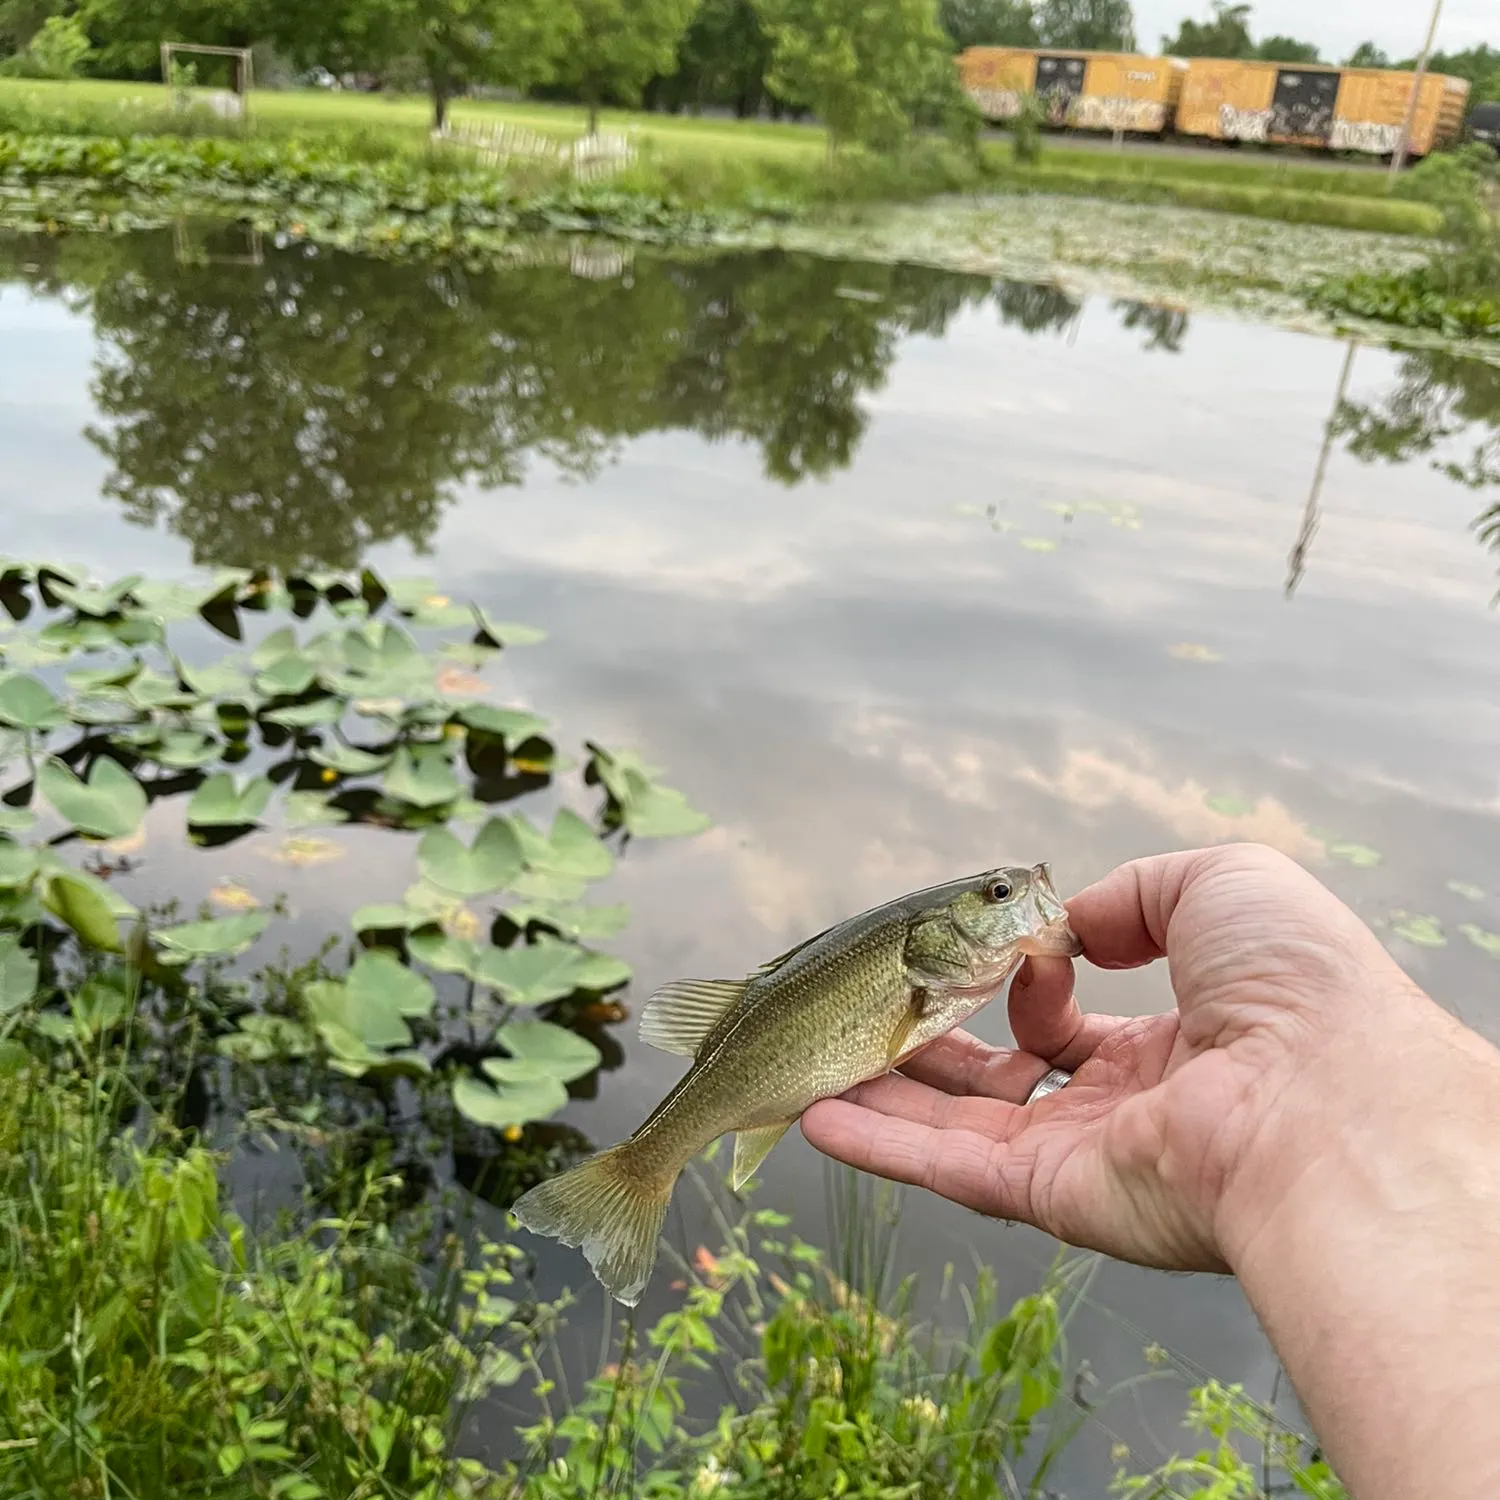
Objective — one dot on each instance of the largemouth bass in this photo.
(842, 1007)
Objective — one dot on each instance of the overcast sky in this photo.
(1338, 26)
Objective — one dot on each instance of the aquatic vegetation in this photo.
(114, 717)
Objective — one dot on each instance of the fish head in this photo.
(1014, 910)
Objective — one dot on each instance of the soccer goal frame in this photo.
(244, 71)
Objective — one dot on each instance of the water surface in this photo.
(901, 573)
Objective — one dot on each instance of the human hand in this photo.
(1179, 1133)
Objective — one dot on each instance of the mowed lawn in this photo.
(406, 119)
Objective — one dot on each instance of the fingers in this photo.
(959, 1063)
(899, 1097)
(962, 1165)
(1122, 920)
(1043, 1013)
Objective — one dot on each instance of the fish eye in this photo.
(997, 890)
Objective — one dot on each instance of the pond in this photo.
(901, 573)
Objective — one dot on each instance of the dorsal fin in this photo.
(773, 964)
(680, 1015)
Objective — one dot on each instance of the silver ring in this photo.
(1049, 1083)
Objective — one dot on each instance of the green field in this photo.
(726, 163)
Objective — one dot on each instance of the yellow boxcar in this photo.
(1349, 109)
(1082, 90)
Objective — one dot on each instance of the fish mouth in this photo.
(1052, 937)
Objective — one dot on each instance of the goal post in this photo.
(234, 102)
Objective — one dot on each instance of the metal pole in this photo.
(1403, 145)
(1297, 561)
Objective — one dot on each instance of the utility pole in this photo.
(1297, 562)
(1403, 145)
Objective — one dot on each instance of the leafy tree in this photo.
(988, 23)
(1088, 25)
(20, 20)
(58, 48)
(865, 70)
(1287, 49)
(722, 62)
(620, 45)
(1226, 34)
(128, 33)
(1476, 64)
(1368, 55)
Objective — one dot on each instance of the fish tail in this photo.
(609, 1208)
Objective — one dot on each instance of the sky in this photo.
(1339, 26)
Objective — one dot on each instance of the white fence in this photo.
(590, 158)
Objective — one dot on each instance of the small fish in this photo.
(842, 1007)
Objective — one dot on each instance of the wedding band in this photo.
(1049, 1083)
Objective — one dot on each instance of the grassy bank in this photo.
(744, 165)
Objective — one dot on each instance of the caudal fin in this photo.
(611, 1213)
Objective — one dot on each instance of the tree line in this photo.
(869, 71)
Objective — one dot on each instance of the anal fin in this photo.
(680, 1015)
(751, 1148)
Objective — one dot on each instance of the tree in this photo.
(988, 23)
(128, 33)
(1476, 64)
(722, 61)
(1287, 49)
(864, 69)
(1368, 55)
(1087, 25)
(620, 46)
(59, 47)
(1226, 34)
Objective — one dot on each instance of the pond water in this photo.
(901, 573)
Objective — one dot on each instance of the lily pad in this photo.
(505, 632)
(16, 819)
(1361, 856)
(1466, 890)
(448, 955)
(287, 676)
(548, 969)
(1424, 932)
(100, 1004)
(381, 916)
(223, 937)
(18, 865)
(560, 863)
(18, 974)
(95, 599)
(571, 919)
(513, 725)
(109, 804)
(184, 750)
(304, 850)
(381, 980)
(29, 704)
(425, 781)
(312, 810)
(348, 760)
(319, 711)
(1485, 941)
(277, 645)
(222, 803)
(648, 809)
(81, 907)
(1039, 543)
(494, 859)
(228, 896)
(509, 1104)
(562, 1053)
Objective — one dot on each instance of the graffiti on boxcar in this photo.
(1244, 124)
(1364, 135)
(1103, 112)
(997, 104)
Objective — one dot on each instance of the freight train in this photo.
(1283, 104)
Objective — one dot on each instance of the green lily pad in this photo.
(505, 632)
(91, 599)
(184, 750)
(348, 760)
(29, 704)
(1361, 856)
(548, 969)
(381, 916)
(16, 819)
(223, 937)
(219, 680)
(262, 1037)
(381, 980)
(81, 907)
(287, 676)
(280, 643)
(448, 955)
(560, 864)
(1464, 889)
(1485, 941)
(572, 920)
(100, 1004)
(18, 864)
(151, 690)
(1424, 932)
(648, 809)
(87, 679)
(220, 802)
(18, 974)
(311, 810)
(1039, 543)
(425, 781)
(510, 1104)
(513, 725)
(556, 1050)
(109, 805)
(494, 859)
(320, 711)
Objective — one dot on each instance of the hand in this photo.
(1179, 1133)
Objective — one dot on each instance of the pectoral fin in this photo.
(916, 1008)
(751, 1148)
(680, 1015)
